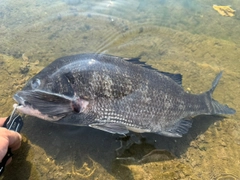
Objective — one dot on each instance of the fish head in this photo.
(25, 101)
(29, 105)
(47, 105)
(40, 98)
(39, 82)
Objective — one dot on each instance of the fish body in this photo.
(116, 95)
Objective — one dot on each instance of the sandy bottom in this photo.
(50, 151)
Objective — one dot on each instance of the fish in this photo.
(116, 95)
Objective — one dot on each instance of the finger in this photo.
(8, 139)
(13, 138)
(4, 147)
(2, 120)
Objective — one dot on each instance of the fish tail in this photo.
(215, 106)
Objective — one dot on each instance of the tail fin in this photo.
(218, 108)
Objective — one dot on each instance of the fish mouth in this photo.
(27, 108)
(22, 103)
(20, 100)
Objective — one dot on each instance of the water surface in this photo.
(186, 37)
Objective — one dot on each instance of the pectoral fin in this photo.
(113, 128)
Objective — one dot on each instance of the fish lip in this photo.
(20, 100)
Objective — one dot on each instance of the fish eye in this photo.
(35, 83)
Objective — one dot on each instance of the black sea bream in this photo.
(116, 95)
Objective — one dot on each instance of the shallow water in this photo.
(174, 36)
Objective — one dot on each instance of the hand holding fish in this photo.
(8, 139)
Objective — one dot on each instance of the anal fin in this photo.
(178, 129)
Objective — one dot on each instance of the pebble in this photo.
(24, 57)
(223, 144)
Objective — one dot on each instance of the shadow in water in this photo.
(19, 168)
(70, 143)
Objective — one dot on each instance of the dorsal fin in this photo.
(175, 77)
(138, 62)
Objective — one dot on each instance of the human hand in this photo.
(8, 139)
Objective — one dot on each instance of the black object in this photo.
(13, 122)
